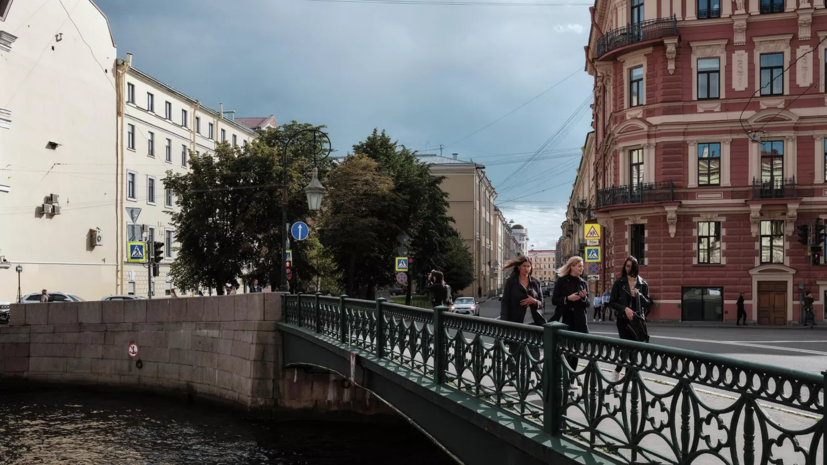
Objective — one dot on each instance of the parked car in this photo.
(465, 305)
(398, 290)
(5, 313)
(34, 298)
(123, 297)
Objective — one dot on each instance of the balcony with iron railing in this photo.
(776, 189)
(635, 33)
(641, 193)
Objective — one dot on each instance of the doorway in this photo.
(772, 303)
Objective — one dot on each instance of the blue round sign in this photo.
(299, 230)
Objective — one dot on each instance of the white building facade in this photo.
(57, 136)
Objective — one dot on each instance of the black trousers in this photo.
(598, 311)
(577, 321)
(625, 333)
(741, 314)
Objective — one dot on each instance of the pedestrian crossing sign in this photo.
(592, 231)
(592, 254)
(137, 252)
(401, 264)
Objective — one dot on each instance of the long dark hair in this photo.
(515, 266)
(439, 278)
(635, 267)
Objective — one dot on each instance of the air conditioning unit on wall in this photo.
(48, 209)
(96, 237)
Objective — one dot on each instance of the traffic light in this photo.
(157, 257)
(804, 234)
(287, 264)
(818, 232)
(815, 254)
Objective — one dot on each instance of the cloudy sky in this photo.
(428, 74)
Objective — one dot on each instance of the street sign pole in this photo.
(150, 247)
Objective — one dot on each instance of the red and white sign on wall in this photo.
(132, 350)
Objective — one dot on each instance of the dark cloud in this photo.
(426, 74)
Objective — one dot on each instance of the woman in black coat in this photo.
(571, 297)
(630, 301)
(521, 293)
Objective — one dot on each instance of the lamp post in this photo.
(19, 270)
(314, 190)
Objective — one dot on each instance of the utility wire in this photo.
(811, 86)
(451, 3)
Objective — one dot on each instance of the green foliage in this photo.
(228, 221)
(328, 276)
(458, 264)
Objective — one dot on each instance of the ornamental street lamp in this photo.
(314, 190)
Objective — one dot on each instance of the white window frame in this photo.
(184, 117)
(223, 135)
(150, 144)
(132, 176)
(212, 131)
(169, 197)
(151, 190)
(168, 110)
(130, 93)
(648, 162)
(634, 60)
(150, 102)
(169, 241)
(130, 137)
(709, 49)
(198, 125)
(235, 141)
(185, 154)
(168, 151)
(725, 162)
(772, 44)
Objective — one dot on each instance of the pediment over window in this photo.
(773, 115)
(632, 125)
(772, 269)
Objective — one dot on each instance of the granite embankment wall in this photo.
(222, 348)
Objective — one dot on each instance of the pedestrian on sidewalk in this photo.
(607, 309)
(571, 296)
(598, 309)
(741, 312)
(630, 302)
(255, 287)
(440, 292)
(809, 314)
(522, 293)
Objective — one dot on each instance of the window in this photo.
(211, 129)
(636, 86)
(168, 197)
(131, 179)
(133, 233)
(709, 9)
(198, 154)
(702, 304)
(637, 18)
(168, 111)
(772, 164)
(150, 237)
(709, 164)
(130, 136)
(772, 241)
(150, 102)
(184, 156)
(772, 6)
(198, 125)
(825, 160)
(709, 72)
(168, 151)
(168, 239)
(235, 141)
(183, 118)
(772, 74)
(150, 144)
(709, 242)
(637, 246)
(636, 169)
(4, 9)
(223, 135)
(130, 93)
(150, 190)
(131, 290)
(244, 143)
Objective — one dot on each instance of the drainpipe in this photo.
(594, 23)
(120, 83)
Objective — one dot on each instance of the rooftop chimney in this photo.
(129, 59)
(455, 155)
(220, 110)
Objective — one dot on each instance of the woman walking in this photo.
(571, 296)
(630, 302)
(521, 293)
(440, 292)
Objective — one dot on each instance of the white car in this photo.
(5, 312)
(465, 305)
(34, 298)
(124, 297)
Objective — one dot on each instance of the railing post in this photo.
(317, 313)
(343, 333)
(299, 308)
(380, 327)
(439, 344)
(552, 378)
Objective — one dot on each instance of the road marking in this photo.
(732, 343)
(786, 342)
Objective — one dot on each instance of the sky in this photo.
(429, 75)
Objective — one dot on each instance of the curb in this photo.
(819, 326)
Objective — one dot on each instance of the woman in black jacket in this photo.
(440, 292)
(630, 301)
(521, 293)
(571, 297)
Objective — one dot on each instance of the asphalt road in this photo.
(797, 348)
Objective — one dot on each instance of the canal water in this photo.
(79, 427)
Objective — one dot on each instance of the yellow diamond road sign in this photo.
(592, 231)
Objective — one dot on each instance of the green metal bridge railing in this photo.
(671, 406)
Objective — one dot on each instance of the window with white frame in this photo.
(223, 135)
(636, 169)
(168, 151)
(130, 93)
(709, 164)
(235, 141)
(131, 188)
(150, 102)
(709, 9)
(772, 241)
(636, 86)
(169, 239)
(709, 242)
(184, 156)
(184, 118)
(168, 197)
(130, 136)
(709, 80)
(150, 190)
(198, 125)
(772, 74)
(168, 111)
(211, 129)
(150, 144)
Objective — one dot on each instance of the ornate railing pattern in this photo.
(671, 406)
(641, 193)
(637, 32)
(777, 189)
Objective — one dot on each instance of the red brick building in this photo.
(710, 120)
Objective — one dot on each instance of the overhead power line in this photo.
(453, 3)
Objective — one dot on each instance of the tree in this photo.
(228, 221)
(359, 198)
(458, 264)
(328, 276)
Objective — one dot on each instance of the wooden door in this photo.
(772, 303)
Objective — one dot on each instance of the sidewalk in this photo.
(820, 325)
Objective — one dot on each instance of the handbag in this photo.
(638, 324)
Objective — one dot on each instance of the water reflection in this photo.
(51, 426)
